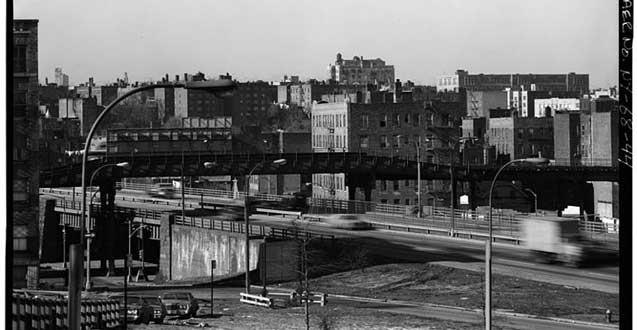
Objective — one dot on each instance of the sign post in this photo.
(213, 265)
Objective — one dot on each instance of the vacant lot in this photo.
(427, 283)
(240, 316)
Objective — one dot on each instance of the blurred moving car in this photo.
(180, 304)
(159, 309)
(347, 221)
(231, 213)
(162, 190)
(138, 309)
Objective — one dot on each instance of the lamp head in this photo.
(534, 161)
(124, 165)
(221, 87)
(209, 164)
(279, 162)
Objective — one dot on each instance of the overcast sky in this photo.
(268, 39)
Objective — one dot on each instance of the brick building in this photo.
(24, 204)
(498, 82)
(304, 94)
(520, 137)
(85, 110)
(50, 96)
(533, 103)
(359, 71)
(479, 102)
(59, 136)
(592, 139)
(386, 129)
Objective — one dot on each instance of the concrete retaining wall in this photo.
(186, 253)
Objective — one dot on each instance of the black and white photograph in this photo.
(350, 164)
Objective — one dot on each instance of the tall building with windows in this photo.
(61, 79)
(359, 71)
(24, 203)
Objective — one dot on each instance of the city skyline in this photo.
(267, 41)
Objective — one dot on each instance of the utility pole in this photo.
(419, 193)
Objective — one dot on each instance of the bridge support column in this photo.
(368, 193)
(351, 190)
(108, 226)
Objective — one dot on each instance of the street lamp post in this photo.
(487, 277)
(534, 199)
(183, 196)
(215, 86)
(419, 193)
(246, 205)
(90, 235)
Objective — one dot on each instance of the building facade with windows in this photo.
(521, 137)
(24, 203)
(377, 128)
(525, 101)
(61, 79)
(499, 82)
(359, 71)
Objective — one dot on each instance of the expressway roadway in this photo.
(455, 252)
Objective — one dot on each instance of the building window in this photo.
(364, 121)
(20, 103)
(20, 234)
(383, 141)
(396, 120)
(364, 141)
(406, 201)
(396, 185)
(383, 185)
(406, 183)
(20, 58)
(417, 120)
(407, 118)
(383, 201)
(396, 141)
(383, 121)
(19, 244)
(396, 201)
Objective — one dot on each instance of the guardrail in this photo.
(467, 220)
(447, 232)
(296, 214)
(295, 298)
(256, 300)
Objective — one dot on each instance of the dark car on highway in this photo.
(180, 304)
(159, 309)
(138, 309)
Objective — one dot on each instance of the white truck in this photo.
(551, 239)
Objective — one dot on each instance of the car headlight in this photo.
(132, 311)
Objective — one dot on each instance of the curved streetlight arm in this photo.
(495, 178)
(89, 137)
(136, 230)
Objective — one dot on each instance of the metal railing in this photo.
(473, 221)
